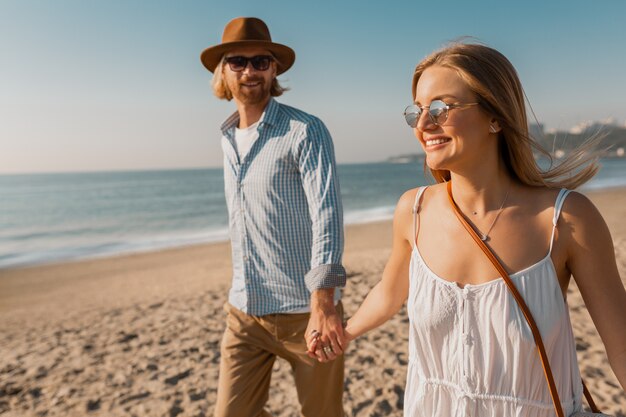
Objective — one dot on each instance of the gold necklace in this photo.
(485, 236)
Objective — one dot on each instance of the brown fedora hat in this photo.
(248, 31)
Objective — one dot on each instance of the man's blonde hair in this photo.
(221, 90)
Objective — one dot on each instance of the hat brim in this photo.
(285, 56)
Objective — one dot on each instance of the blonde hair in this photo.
(492, 77)
(221, 90)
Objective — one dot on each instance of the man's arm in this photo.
(321, 185)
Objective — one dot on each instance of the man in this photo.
(285, 220)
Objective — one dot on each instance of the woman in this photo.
(471, 351)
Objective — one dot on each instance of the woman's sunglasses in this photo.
(437, 112)
(239, 63)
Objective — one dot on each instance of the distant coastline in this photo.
(559, 143)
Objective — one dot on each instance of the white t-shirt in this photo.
(244, 138)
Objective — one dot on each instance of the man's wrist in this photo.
(323, 300)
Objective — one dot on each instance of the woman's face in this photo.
(464, 137)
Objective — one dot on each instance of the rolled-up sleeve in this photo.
(321, 185)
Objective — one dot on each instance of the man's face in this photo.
(249, 86)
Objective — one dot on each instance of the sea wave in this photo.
(369, 215)
(110, 248)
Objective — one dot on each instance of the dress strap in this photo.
(416, 209)
(558, 205)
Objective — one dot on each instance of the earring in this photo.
(492, 129)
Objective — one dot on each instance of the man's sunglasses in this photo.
(239, 63)
(437, 112)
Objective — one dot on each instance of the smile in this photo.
(433, 142)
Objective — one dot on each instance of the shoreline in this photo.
(33, 283)
(225, 239)
(221, 237)
(592, 192)
(213, 236)
(67, 285)
(30, 288)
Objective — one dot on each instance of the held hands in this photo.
(325, 337)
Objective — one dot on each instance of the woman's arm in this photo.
(388, 296)
(591, 260)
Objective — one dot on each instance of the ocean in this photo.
(48, 218)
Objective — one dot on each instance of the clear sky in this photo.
(91, 85)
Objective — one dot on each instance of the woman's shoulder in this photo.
(404, 218)
(570, 208)
(409, 197)
(573, 203)
(578, 208)
(407, 200)
(533, 199)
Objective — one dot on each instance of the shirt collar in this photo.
(269, 116)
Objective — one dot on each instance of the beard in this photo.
(251, 95)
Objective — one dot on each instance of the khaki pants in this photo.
(250, 346)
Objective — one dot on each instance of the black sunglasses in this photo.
(239, 63)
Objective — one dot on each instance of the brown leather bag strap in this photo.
(520, 302)
(590, 401)
(522, 305)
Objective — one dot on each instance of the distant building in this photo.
(536, 130)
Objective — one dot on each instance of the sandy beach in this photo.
(138, 335)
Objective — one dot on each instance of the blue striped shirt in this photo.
(285, 213)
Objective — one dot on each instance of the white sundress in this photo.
(471, 351)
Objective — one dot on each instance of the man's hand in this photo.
(324, 334)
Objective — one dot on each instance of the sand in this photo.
(139, 335)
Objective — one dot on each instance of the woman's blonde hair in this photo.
(221, 90)
(492, 77)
